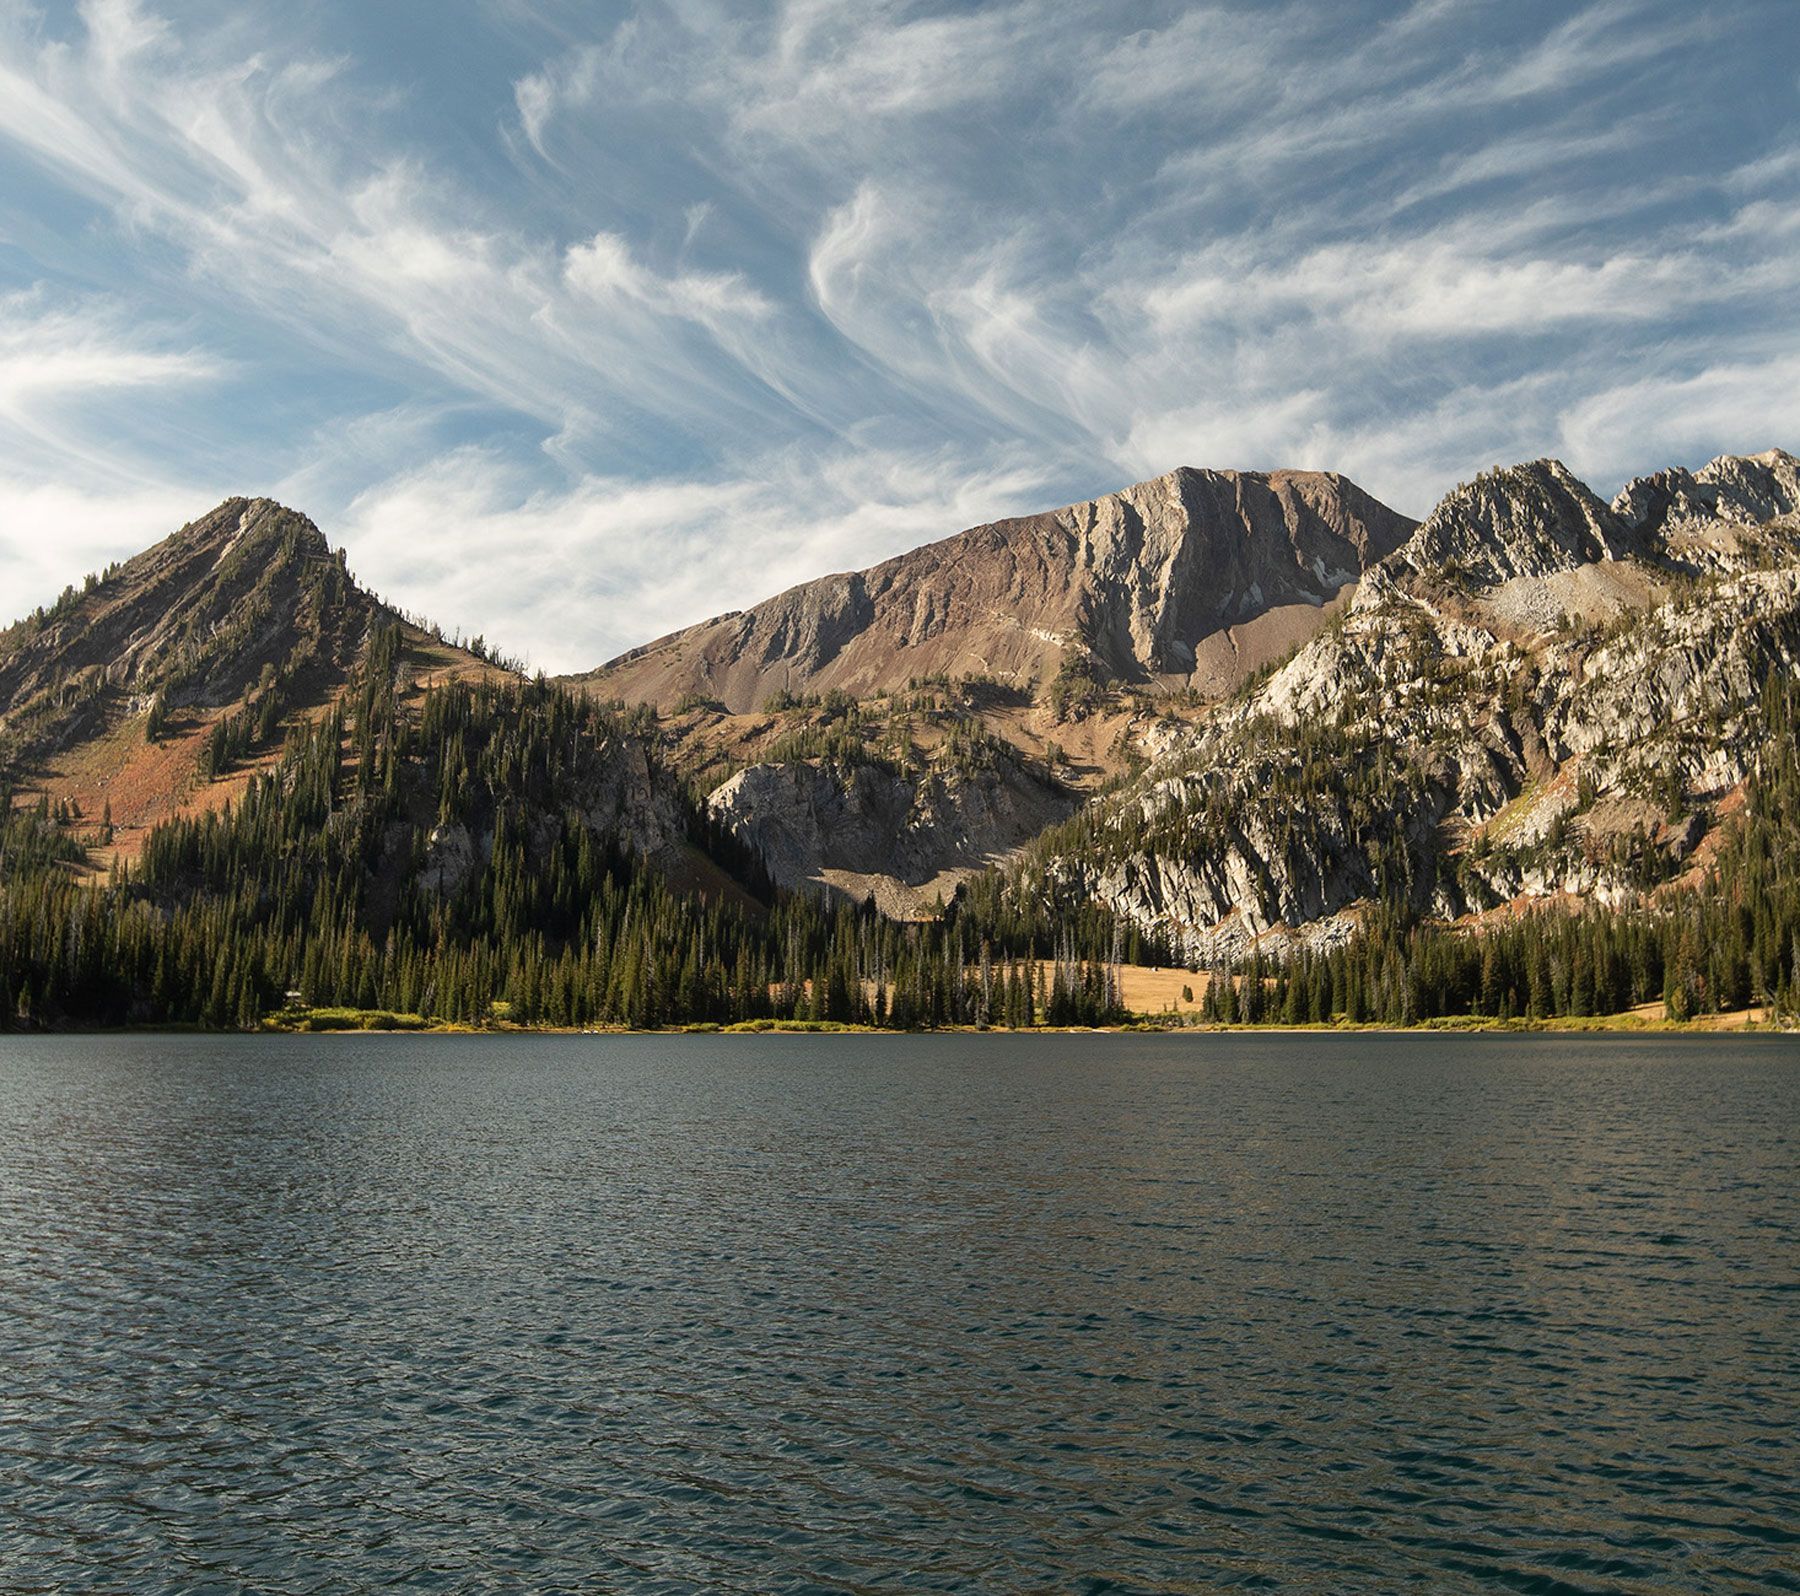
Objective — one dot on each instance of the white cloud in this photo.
(1597, 39)
(1538, 150)
(363, 252)
(1432, 287)
(1280, 431)
(609, 563)
(604, 269)
(1767, 171)
(847, 64)
(72, 372)
(541, 95)
(75, 377)
(768, 291)
(50, 355)
(1669, 418)
(52, 534)
(1209, 58)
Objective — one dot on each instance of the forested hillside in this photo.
(503, 851)
(1729, 942)
(153, 688)
(1542, 765)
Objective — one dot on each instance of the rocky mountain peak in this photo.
(1190, 555)
(148, 689)
(196, 619)
(1157, 582)
(248, 523)
(1575, 730)
(1532, 519)
(1744, 490)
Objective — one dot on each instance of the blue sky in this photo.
(577, 322)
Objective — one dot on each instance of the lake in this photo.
(952, 1313)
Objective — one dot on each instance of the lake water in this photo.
(992, 1314)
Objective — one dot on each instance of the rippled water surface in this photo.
(856, 1314)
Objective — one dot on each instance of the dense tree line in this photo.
(469, 860)
(1545, 965)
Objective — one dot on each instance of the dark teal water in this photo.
(863, 1314)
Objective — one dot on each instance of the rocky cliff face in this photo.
(1195, 577)
(1463, 683)
(906, 836)
(1528, 520)
(1717, 518)
(611, 786)
(1428, 752)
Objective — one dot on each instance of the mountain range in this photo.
(1232, 714)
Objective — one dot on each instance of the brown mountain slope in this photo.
(160, 685)
(1196, 578)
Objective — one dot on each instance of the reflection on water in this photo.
(853, 1314)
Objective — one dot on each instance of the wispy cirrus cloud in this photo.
(51, 353)
(75, 374)
(615, 562)
(576, 326)
(74, 377)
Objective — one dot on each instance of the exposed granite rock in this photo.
(450, 860)
(622, 794)
(868, 829)
(613, 787)
(1193, 579)
(1734, 514)
(1415, 753)
(199, 614)
(1745, 489)
(1524, 520)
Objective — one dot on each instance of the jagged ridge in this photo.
(1425, 754)
(1195, 576)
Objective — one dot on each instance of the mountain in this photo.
(1196, 578)
(999, 675)
(1733, 491)
(1449, 751)
(160, 686)
(193, 619)
(1538, 754)
(1531, 520)
(227, 772)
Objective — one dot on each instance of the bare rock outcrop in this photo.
(1744, 489)
(1526, 520)
(1193, 577)
(197, 615)
(902, 836)
(1420, 754)
(1733, 514)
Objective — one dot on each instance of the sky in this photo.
(576, 322)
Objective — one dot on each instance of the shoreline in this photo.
(381, 1023)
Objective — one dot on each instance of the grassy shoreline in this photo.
(382, 1022)
(325, 1022)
